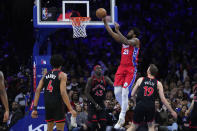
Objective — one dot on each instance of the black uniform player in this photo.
(55, 95)
(148, 87)
(193, 108)
(96, 91)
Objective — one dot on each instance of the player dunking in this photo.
(193, 110)
(96, 91)
(148, 88)
(4, 98)
(126, 73)
(55, 95)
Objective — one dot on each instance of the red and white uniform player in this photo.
(126, 73)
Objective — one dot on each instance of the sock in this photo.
(118, 94)
(124, 105)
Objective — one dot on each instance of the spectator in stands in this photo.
(75, 99)
(110, 117)
(187, 88)
(81, 119)
(15, 115)
(20, 98)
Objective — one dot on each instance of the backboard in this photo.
(56, 13)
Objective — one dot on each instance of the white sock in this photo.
(124, 105)
(118, 94)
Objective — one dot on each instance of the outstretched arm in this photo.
(110, 31)
(137, 84)
(3, 96)
(123, 39)
(164, 101)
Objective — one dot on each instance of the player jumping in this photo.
(54, 84)
(148, 88)
(126, 73)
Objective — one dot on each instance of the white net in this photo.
(79, 26)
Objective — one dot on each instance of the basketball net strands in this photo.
(79, 26)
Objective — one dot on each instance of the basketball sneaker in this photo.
(120, 123)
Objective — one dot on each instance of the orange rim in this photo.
(76, 21)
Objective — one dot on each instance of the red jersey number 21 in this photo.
(148, 91)
(50, 87)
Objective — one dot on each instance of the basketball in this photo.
(100, 13)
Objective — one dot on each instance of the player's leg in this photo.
(133, 127)
(118, 83)
(126, 90)
(59, 115)
(49, 116)
(118, 94)
(50, 126)
(128, 83)
(60, 126)
(92, 119)
(102, 119)
(151, 126)
(138, 117)
(118, 88)
(124, 106)
(150, 116)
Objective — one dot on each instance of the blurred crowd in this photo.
(169, 40)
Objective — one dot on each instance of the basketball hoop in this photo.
(79, 26)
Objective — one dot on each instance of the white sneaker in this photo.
(120, 123)
(73, 121)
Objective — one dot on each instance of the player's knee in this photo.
(132, 128)
(60, 126)
(125, 93)
(50, 126)
(117, 90)
(151, 126)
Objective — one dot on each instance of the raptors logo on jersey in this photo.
(129, 55)
(98, 89)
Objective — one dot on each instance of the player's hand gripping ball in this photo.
(101, 13)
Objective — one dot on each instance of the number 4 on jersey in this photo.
(50, 87)
(148, 91)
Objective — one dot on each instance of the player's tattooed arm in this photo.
(110, 31)
(87, 91)
(123, 39)
(109, 81)
(3, 93)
